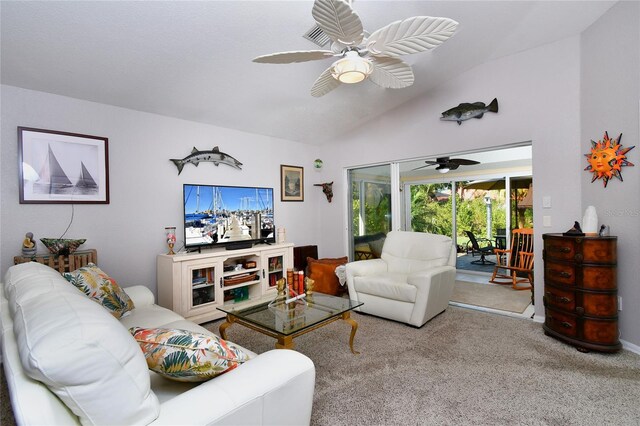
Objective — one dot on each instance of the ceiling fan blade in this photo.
(411, 35)
(324, 84)
(391, 73)
(295, 56)
(422, 167)
(341, 23)
(463, 161)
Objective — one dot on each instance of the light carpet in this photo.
(464, 367)
(494, 296)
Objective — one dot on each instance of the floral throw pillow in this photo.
(186, 356)
(100, 287)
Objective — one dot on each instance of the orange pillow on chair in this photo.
(323, 272)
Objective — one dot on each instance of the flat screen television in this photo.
(230, 216)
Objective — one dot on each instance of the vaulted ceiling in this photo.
(192, 60)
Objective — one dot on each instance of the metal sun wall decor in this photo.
(606, 159)
(214, 156)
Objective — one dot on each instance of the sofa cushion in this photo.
(186, 356)
(79, 351)
(388, 286)
(100, 287)
(323, 273)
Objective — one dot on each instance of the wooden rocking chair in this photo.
(515, 266)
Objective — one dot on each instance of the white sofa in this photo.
(95, 372)
(412, 281)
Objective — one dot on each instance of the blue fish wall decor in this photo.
(466, 111)
(214, 156)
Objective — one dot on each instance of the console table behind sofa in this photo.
(64, 263)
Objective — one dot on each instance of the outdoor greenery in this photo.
(377, 207)
(431, 207)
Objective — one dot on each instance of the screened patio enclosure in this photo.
(488, 199)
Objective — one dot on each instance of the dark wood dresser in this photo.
(581, 292)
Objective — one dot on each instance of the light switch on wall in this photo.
(546, 202)
(546, 221)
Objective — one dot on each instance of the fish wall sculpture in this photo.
(214, 156)
(466, 111)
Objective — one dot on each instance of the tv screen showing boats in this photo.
(233, 216)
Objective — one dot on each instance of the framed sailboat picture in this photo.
(62, 167)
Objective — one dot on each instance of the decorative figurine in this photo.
(28, 245)
(171, 238)
(575, 230)
(308, 285)
(280, 286)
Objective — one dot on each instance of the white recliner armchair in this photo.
(412, 281)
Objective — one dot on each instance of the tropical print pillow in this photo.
(186, 356)
(100, 287)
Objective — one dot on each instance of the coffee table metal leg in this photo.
(223, 327)
(284, 342)
(354, 327)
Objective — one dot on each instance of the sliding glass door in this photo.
(370, 210)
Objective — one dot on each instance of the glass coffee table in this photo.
(284, 322)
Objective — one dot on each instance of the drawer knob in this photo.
(561, 299)
(564, 274)
(566, 324)
(562, 249)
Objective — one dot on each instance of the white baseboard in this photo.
(538, 318)
(630, 346)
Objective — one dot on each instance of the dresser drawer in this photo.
(559, 248)
(562, 299)
(599, 250)
(599, 277)
(598, 304)
(561, 322)
(600, 331)
(561, 273)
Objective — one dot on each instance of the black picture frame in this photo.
(62, 167)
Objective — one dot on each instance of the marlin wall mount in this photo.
(214, 156)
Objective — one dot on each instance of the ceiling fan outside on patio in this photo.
(444, 164)
(361, 57)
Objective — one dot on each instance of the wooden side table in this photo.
(65, 263)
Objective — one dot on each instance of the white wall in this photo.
(145, 189)
(610, 93)
(538, 93)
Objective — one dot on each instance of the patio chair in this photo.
(515, 266)
(485, 249)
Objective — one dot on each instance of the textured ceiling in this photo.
(192, 60)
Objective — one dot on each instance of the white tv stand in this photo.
(195, 284)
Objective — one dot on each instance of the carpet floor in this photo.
(492, 296)
(464, 367)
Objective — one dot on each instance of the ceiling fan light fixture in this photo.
(351, 69)
(443, 169)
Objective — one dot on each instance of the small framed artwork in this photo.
(291, 183)
(62, 168)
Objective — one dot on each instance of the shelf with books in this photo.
(200, 276)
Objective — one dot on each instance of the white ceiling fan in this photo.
(361, 57)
